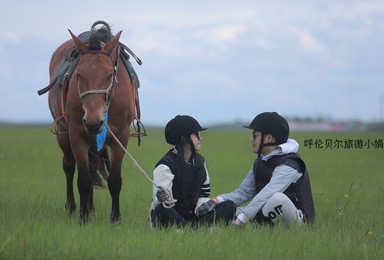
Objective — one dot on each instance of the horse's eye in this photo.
(110, 76)
(77, 75)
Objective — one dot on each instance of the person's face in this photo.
(196, 139)
(256, 140)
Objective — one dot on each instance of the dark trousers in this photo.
(165, 217)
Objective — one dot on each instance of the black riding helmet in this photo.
(271, 123)
(180, 126)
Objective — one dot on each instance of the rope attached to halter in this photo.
(169, 203)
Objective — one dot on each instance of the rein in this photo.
(169, 203)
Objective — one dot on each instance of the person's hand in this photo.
(205, 208)
(215, 200)
(162, 195)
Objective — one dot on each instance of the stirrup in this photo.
(56, 129)
(137, 128)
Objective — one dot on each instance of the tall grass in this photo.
(347, 185)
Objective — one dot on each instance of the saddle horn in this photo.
(100, 22)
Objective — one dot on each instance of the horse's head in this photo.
(96, 72)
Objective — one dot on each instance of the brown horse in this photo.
(100, 85)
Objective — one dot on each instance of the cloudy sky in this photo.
(217, 60)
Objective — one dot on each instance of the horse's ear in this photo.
(81, 46)
(110, 46)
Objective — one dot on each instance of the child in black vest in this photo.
(278, 183)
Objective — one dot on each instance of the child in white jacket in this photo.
(182, 189)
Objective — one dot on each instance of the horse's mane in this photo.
(97, 37)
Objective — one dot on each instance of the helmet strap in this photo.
(262, 144)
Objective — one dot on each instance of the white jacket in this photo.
(163, 176)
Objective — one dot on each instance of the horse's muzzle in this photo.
(93, 127)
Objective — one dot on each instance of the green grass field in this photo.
(347, 185)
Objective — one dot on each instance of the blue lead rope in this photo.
(100, 138)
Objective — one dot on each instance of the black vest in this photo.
(186, 185)
(299, 192)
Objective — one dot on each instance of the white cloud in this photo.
(311, 44)
(228, 32)
(10, 37)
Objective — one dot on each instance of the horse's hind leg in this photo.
(69, 166)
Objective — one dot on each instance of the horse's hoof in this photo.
(115, 219)
(69, 209)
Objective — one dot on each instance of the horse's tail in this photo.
(99, 167)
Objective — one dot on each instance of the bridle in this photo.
(113, 79)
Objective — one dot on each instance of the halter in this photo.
(113, 80)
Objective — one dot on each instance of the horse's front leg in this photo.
(84, 182)
(115, 181)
